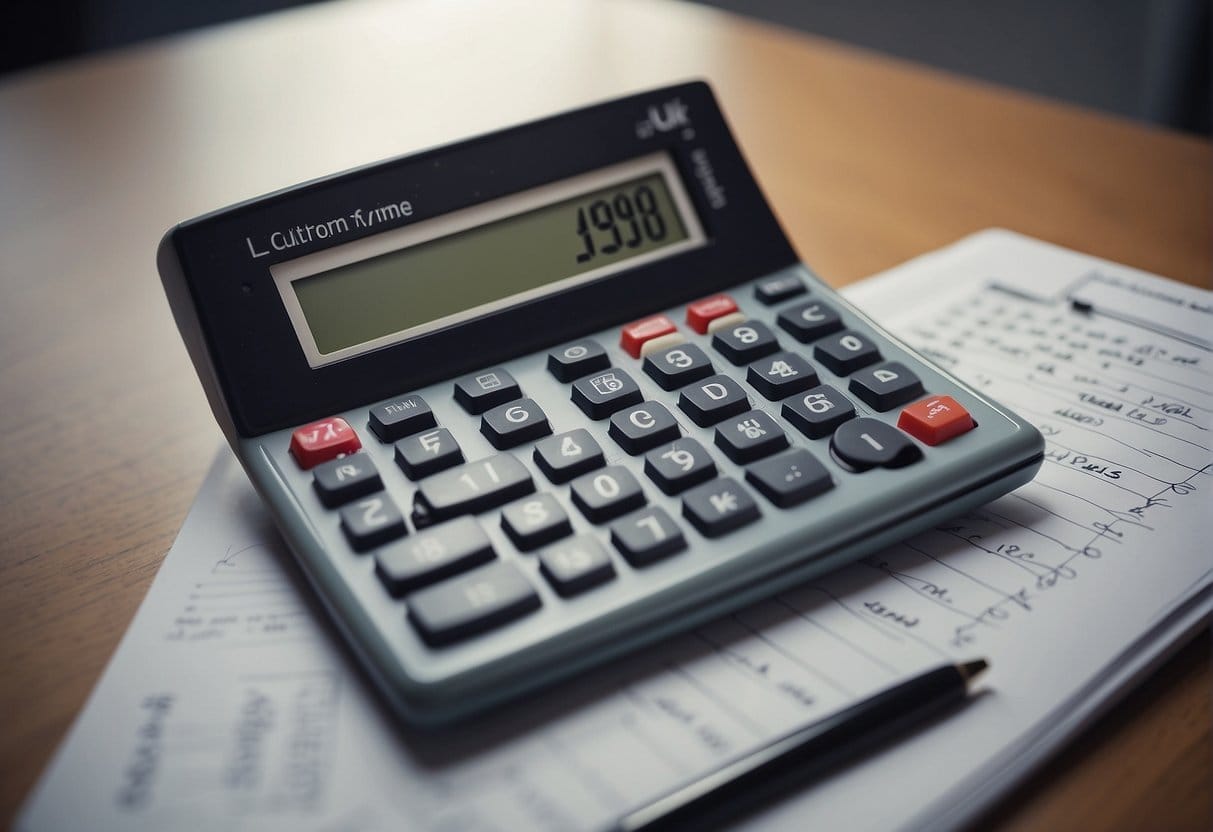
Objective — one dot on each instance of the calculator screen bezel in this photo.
(216, 267)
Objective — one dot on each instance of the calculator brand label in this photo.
(672, 115)
(329, 229)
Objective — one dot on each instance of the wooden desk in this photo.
(867, 161)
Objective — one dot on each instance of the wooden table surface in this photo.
(867, 162)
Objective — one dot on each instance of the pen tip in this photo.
(972, 669)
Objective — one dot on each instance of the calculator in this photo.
(526, 402)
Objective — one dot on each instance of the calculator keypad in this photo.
(491, 544)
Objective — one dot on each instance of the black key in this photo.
(648, 535)
(750, 436)
(719, 506)
(865, 443)
(514, 423)
(678, 366)
(606, 494)
(715, 398)
(473, 487)
(575, 565)
(371, 521)
(567, 455)
(534, 521)
(810, 320)
(433, 555)
(745, 342)
(341, 480)
(427, 453)
(790, 478)
(401, 417)
(679, 465)
(600, 395)
(780, 375)
(819, 411)
(775, 289)
(886, 385)
(473, 603)
(846, 352)
(644, 426)
(478, 392)
(572, 361)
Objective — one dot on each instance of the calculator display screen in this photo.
(380, 290)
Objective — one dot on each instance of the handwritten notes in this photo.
(231, 704)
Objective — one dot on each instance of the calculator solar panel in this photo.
(527, 422)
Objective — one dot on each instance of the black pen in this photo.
(806, 753)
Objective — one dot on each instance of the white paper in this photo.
(230, 703)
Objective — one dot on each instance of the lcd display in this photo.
(435, 273)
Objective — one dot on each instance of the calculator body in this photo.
(510, 434)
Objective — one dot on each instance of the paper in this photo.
(231, 704)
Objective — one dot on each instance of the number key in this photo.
(472, 487)
(576, 564)
(679, 465)
(846, 352)
(745, 342)
(567, 455)
(645, 536)
(819, 411)
(606, 494)
(341, 480)
(514, 423)
(534, 521)
(371, 521)
(432, 555)
(677, 366)
(780, 375)
(472, 603)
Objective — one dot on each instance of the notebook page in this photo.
(231, 704)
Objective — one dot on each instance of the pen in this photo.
(805, 753)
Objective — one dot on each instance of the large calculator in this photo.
(526, 402)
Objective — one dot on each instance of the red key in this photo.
(703, 312)
(935, 420)
(324, 440)
(646, 329)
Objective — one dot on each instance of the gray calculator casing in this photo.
(432, 685)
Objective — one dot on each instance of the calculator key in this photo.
(534, 521)
(663, 342)
(679, 465)
(719, 506)
(575, 565)
(887, 385)
(433, 555)
(371, 521)
(810, 320)
(780, 375)
(341, 480)
(321, 441)
(606, 494)
(572, 361)
(478, 392)
(776, 289)
(846, 352)
(473, 487)
(481, 600)
(514, 423)
(870, 443)
(401, 417)
(678, 366)
(789, 478)
(642, 427)
(633, 336)
(567, 455)
(703, 312)
(427, 453)
(745, 342)
(935, 420)
(819, 411)
(645, 536)
(712, 400)
(600, 395)
(750, 436)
